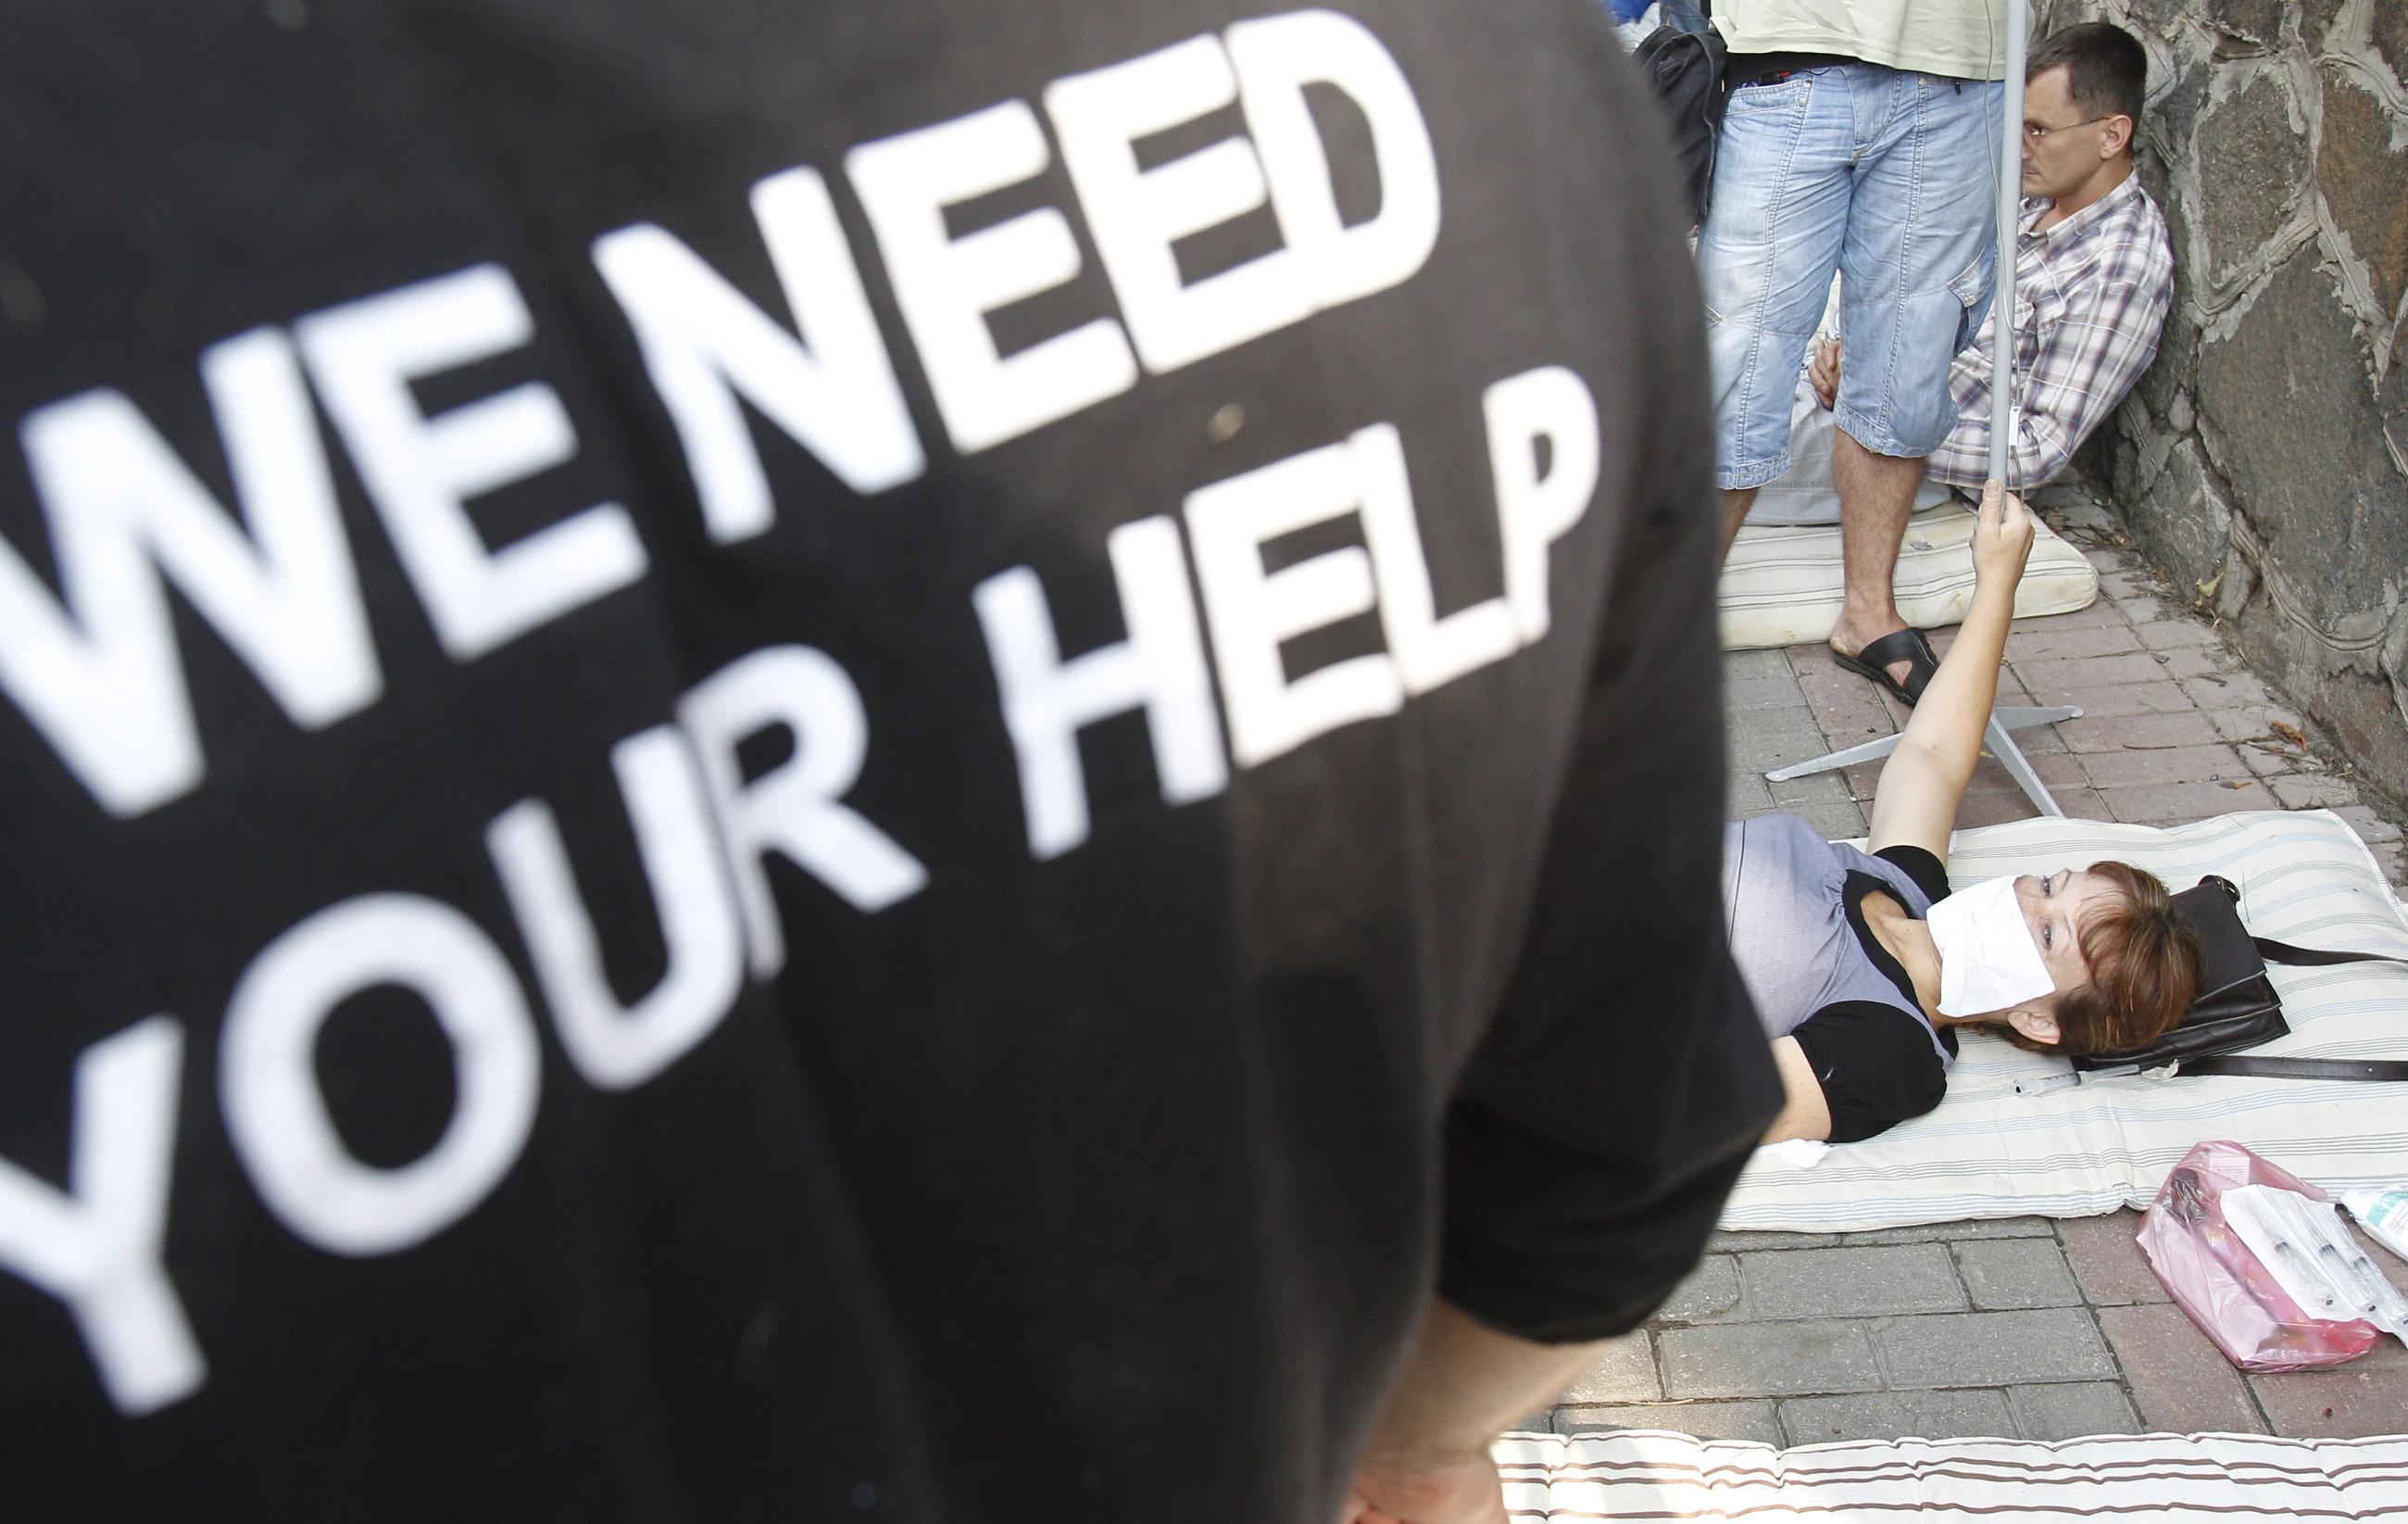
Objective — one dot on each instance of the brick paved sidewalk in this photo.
(2174, 728)
(2020, 1327)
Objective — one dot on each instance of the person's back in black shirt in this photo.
(776, 761)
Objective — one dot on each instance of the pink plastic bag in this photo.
(2215, 1278)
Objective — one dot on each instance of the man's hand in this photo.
(2003, 539)
(1823, 374)
(1464, 1490)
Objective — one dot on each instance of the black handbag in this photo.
(2236, 1007)
(1684, 70)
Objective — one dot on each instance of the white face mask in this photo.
(1987, 958)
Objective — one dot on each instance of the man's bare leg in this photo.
(1876, 495)
(1736, 502)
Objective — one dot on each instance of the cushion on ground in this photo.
(1781, 585)
(2228, 1478)
(1989, 1151)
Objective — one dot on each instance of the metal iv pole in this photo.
(2004, 718)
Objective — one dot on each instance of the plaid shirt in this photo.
(2090, 297)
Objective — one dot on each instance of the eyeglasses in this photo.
(2035, 135)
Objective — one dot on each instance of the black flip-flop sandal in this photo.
(1906, 645)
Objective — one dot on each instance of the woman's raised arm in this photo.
(1916, 802)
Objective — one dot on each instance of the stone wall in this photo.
(2262, 462)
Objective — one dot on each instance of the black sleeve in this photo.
(1929, 873)
(1876, 1064)
(1624, 1078)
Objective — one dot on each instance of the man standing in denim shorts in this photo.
(1859, 137)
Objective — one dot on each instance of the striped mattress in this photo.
(2074, 1151)
(2184, 1479)
(1781, 585)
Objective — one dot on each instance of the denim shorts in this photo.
(1887, 178)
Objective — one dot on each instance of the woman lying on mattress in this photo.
(1863, 966)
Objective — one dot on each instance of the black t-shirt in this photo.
(1874, 1061)
(886, 758)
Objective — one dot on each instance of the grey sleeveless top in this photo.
(1785, 896)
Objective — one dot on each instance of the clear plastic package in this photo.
(2218, 1280)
